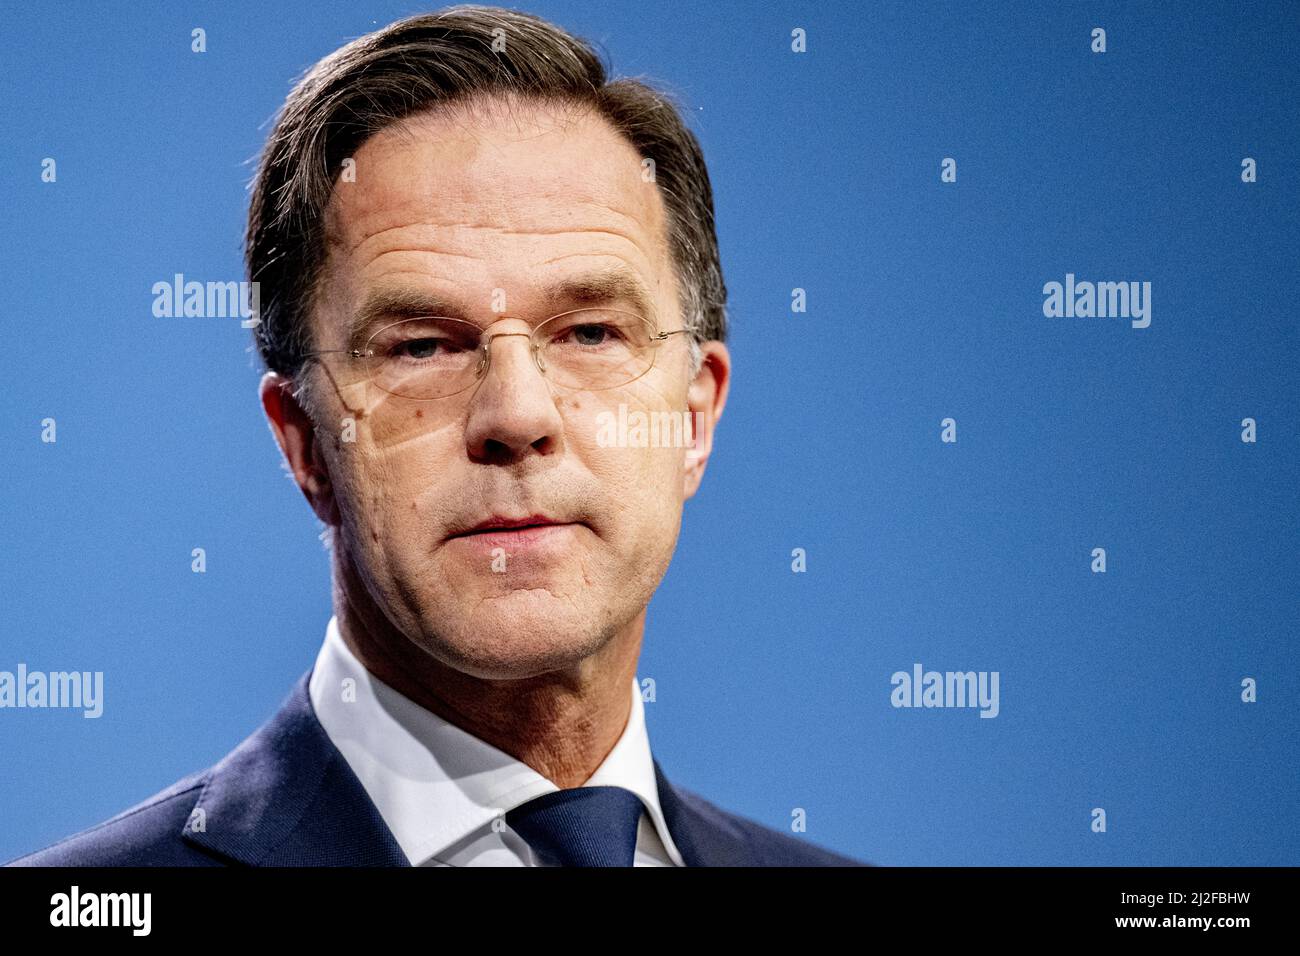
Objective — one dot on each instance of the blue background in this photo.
(1118, 690)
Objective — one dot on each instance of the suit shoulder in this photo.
(767, 846)
(147, 834)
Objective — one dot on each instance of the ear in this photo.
(298, 438)
(706, 397)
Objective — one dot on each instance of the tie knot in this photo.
(581, 826)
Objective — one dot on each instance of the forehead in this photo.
(508, 187)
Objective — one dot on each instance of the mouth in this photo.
(498, 524)
(534, 539)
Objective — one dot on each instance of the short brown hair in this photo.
(441, 59)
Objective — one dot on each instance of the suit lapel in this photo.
(287, 797)
(703, 834)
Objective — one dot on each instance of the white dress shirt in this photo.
(439, 788)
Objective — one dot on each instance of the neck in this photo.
(561, 723)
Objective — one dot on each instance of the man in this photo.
(474, 254)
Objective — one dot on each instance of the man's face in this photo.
(486, 213)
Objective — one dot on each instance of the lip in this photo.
(500, 524)
(537, 539)
(514, 539)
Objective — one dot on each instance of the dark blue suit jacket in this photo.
(287, 797)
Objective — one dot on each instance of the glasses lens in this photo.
(427, 357)
(596, 348)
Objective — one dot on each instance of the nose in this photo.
(512, 414)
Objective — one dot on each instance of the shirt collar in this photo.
(434, 783)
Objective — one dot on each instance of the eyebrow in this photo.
(596, 288)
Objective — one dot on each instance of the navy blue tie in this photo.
(581, 826)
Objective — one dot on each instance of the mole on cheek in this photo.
(419, 413)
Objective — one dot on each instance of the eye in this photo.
(421, 341)
(591, 334)
(424, 348)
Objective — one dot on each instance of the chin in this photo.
(519, 634)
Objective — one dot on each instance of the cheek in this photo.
(365, 497)
(640, 482)
(388, 490)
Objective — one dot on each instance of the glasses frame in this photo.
(485, 349)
